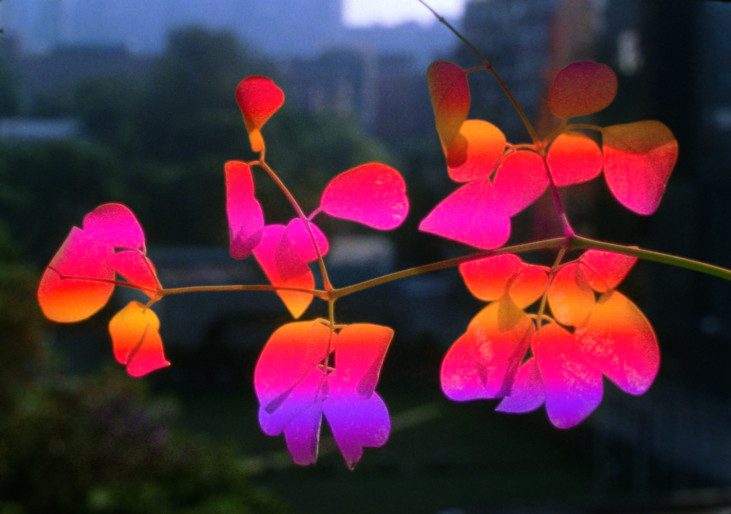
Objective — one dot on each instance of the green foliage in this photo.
(9, 98)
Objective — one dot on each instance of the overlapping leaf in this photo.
(307, 371)
(136, 340)
(243, 210)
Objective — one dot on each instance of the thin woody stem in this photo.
(296, 206)
(241, 287)
(489, 67)
(544, 297)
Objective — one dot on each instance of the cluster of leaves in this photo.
(581, 330)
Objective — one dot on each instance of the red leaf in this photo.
(258, 98)
(519, 181)
(138, 270)
(605, 270)
(582, 88)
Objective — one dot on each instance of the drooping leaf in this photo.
(521, 178)
(136, 340)
(296, 385)
(450, 98)
(605, 270)
(244, 212)
(372, 194)
(490, 278)
(572, 384)
(258, 98)
(569, 295)
(574, 158)
(473, 215)
(298, 277)
(638, 160)
(582, 88)
(483, 361)
(77, 282)
(474, 151)
(621, 343)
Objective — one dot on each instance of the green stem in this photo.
(240, 287)
(578, 242)
(447, 263)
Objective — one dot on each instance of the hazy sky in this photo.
(390, 12)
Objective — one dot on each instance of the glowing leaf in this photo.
(572, 385)
(605, 270)
(450, 98)
(582, 88)
(296, 249)
(296, 385)
(621, 343)
(519, 181)
(638, 160)
(244, 212)
(136, 340)
(483, 361)
(258, 98)
(66, 299)
(372, 194)
(574, 158)
(137, 269)
(569, 295)
(114, 224)
(475, 150)
(286, 379)
(299, 277)
(526, 395)
(488, 278)
(471, 215)
(528, 285)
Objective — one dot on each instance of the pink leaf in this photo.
(116, 225)
(137, 269)
(244, 212)
(372, 194)
(526, 395)
(473, 215)
(605, 270)
(519, 181)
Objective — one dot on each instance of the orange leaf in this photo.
(474, 151)
(136, 340)
(574, 158)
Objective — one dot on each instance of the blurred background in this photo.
(102, 100)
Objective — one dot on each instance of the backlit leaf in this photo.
(372, 194)
(582, 88)
(569, 295)
(605, 270)
(299, 276)
(116, 225)
(572, 385)
(450, 98)
(483, 361)
(638, 160)
(137, 269)
(258, 98)
(296, 248)
(621, 343)
(136, 340)
(527, 394)
(66, 299)
(574, 158)
(473, 215)
(244, 212)
(474, 151)
(521, 178)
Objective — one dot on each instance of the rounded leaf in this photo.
(582, 88)
(638, 160)
(475, 150)
(574, 158)
(521, 178)
(243, 210)
(621, 343)
(78, 281)
(136, 340)
(116, 225)
(258, 98)
(372, 194)
(527, 394)
(569, 296)
(605, 270)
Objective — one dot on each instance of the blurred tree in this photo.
(9, 98)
